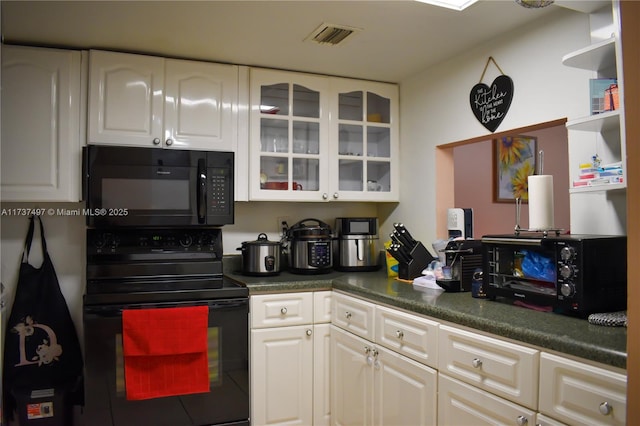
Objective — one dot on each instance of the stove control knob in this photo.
(566, 271)
(567, 289)
(186, 240)
(100, 241)
(567, 253)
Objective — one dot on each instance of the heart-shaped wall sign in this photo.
(490, 104)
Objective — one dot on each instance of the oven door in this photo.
(227, 403)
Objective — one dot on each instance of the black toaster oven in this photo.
(573, 274)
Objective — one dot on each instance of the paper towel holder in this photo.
(518, 229)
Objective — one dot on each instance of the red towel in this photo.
(165, 351)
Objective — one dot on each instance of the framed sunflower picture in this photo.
(514, 160)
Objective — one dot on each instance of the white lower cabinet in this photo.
(373, 385)
(289, 359)
(330, 358)
(494, 365)
(581, 394)
(282, 375)
(373, 379)
(462, 404)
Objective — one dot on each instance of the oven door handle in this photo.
(202, 191)
(116, 310)
(513, 241)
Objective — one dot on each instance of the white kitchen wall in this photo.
(434, 104)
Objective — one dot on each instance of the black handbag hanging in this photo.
(41, 348)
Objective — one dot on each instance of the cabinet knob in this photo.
(156, 141)
(325, 195)
(477, 363)
(367, 349)
(347, 315)
(605, 408)
(169, 142)
(522, 421)
(399, 334)
(309, 332)
(335, 195)
(283, 311)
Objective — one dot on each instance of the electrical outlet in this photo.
(281, 226)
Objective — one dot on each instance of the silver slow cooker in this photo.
(310, 250)
(261, 257)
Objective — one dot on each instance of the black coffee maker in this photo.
(463, 257)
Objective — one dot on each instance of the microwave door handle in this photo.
(202, 191)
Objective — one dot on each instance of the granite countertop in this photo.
(565, 334)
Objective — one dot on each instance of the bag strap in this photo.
(29, 239)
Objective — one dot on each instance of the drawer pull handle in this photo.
(283, 311)
(522, 421)
(347, 315)
(308, 332)
(399, 334)
(605, 408)
(477, 363)
(156, 141)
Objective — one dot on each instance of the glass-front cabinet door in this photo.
(289, 136)
(364, 141)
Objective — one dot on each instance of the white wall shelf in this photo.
(595, 57)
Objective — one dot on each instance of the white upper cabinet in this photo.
(364, 140)
(289, 151)
(41, 122)
(318, 138)
(139, 100)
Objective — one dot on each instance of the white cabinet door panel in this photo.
(282, 374)
(40, 124)
(411, 335)
(405, 392)
(279, 310)
(460, 404)
(503, 368)
(354, 315)
(579, 394)
(351, 379)
(199, 102)
(125, 99)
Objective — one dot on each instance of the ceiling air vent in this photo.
(331, 34)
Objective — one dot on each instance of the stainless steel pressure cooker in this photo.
(310, 250)
(261, 257)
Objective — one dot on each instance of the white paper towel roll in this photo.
(540, 202)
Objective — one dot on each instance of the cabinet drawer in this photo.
(579, 394)
(278, 310)
(322, 306)
(462, 404)
(505, 369)
(408, 334)
(354, 315)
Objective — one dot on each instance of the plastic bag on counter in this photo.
(538, 266)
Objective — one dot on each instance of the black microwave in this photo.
(571, 274)
(149, 187)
